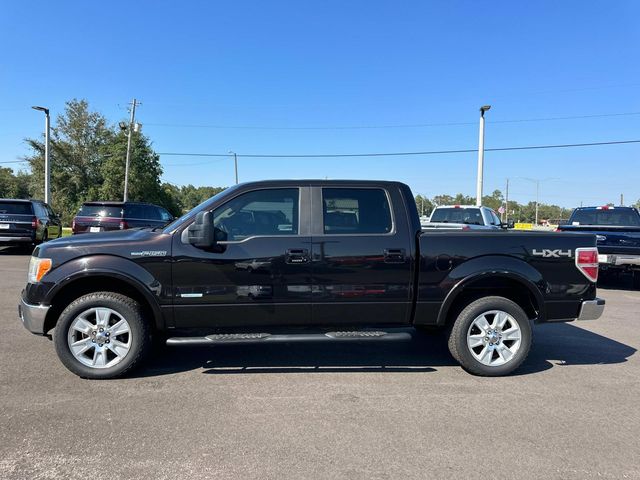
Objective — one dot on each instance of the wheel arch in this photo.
(507, 284)
(103, 280)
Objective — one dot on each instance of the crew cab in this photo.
(464, 217)
(284, 261)
(617, 231)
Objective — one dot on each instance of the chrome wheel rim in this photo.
(494, 338)
(99, 337)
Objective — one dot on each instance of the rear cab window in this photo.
(619, 217)
(356, 211)
(464, 215)
(111, 211)
(16, 208)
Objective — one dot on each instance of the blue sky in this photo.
(282, 65)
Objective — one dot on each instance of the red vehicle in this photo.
(94, 217)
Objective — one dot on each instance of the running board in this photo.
(288, 338)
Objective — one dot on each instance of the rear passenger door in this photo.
(361, 256)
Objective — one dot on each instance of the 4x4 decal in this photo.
(548, 253)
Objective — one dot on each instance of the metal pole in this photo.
(506, 204)
(481, 156)
(537, 198)
(622, 199)
(126, 165)
(235, 162)
(47, 164)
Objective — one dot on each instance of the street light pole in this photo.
(47, 166)
(537, 199)
(481, 156)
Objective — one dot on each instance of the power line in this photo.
(409, 125)
(400, 154)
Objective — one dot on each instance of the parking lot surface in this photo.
(356, 411)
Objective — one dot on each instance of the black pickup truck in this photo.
(285, 261)
(617, 230)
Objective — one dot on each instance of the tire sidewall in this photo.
(470, 313)
(121, 304)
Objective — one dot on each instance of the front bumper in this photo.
(33, 316)
(591, 309)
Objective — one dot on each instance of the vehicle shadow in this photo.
(554, 344)
(616, 282)
(17, 251)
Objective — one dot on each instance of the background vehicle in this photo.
(338, 260)
(96, 217)
(27, 222)
(464, 217)
(617, 231)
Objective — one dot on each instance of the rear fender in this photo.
(489, 267)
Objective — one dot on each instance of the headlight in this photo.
(38, 267)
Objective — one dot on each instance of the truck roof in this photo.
(324, 183)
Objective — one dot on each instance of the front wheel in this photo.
(491, 337)
(102, 335)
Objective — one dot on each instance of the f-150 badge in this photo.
(548, 253)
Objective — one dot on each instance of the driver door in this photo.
(259, 274)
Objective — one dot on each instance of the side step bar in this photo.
(239, 338)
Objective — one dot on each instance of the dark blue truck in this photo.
(617, 231)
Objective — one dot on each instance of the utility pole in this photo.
(481, 156)
(130, 133)
(47, 166)
(622, 199)
(235, 163)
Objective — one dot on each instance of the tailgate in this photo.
(16, 225)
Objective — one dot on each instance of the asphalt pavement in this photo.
(320, 411)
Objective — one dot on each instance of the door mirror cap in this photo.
(201, 233)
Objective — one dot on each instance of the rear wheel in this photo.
(491, 337)
(102, 335)
(636, 279)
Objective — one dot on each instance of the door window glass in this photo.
(261, 212)
(355, 211)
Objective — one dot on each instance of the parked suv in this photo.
(465, 217)
(104, 216)
(27, 222)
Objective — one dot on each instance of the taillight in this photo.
(123, 225)
(34, 222)
(587, 262)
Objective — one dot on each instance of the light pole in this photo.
(481, 156)
(47, 167)
(235, 163)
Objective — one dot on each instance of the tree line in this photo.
(88, 161)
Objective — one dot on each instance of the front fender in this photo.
(491, 266)
(110, 266)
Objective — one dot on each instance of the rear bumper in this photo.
(591, 309)
(33, 316)
(618, 260)
(16, 240)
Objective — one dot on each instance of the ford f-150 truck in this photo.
(617, 230)
(284, 261)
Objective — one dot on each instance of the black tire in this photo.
(124, 306)
(636, 279)
(458, 336)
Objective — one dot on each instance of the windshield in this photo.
(16, 208)
(467, 216)
(191, 213)
(620, 217)
(100, 211)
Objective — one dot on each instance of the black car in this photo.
(298, 261)
(27, 222)
(94, 217)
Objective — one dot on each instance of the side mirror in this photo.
(509, 224)
(201, 233)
